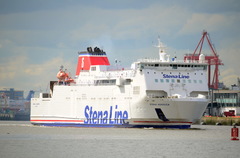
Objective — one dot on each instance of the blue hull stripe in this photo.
(112, 125)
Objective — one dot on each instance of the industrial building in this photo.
(225, 102)
(12, 94)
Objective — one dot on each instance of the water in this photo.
(23, 140)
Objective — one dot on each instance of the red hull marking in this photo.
(57, 120)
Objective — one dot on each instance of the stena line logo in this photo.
(176, 76)
(111, 116)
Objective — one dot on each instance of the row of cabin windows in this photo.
(175, 66)
(111, 82)
(171, 73)
(177, 81)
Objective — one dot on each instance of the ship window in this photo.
(195, 81)
(93, 68)
(162, 80)
(156, 65)
(178, 81)
(167, 80)
(104, 82)
(128, 81)
(200, 81)
(189, 81)
(156, 80)
(184, 81)
(46, 95)
(174, 66)
(173, 80)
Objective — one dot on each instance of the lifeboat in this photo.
(63, 76)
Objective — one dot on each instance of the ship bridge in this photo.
(174, 79)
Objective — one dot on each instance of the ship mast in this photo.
(161, 50)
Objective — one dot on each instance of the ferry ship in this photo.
(152, 93)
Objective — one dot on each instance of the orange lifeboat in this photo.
(61, 75)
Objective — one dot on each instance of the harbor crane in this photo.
(212, 60)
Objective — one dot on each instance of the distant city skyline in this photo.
(37, 37)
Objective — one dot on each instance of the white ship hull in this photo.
(152, 93)
(104, 109)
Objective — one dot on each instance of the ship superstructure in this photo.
(160, 93)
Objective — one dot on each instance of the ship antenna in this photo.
(160, 46)
(61, 67)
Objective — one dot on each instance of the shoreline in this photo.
(215, 120)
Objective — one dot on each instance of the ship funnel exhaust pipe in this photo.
(91, 57)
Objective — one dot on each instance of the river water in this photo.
(23, 140)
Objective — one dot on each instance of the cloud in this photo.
(10, 69)
(125, 24)
(210, 22)
(229, 54)
(229, 77)
(40, 40)
(24, 75)
(88, 31)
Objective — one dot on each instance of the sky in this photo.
(38, 36)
